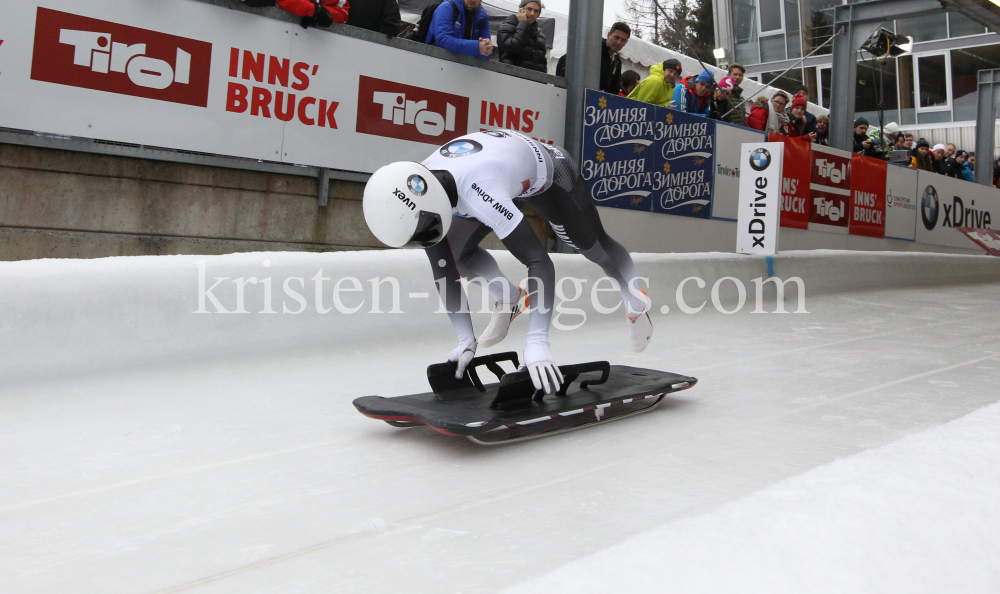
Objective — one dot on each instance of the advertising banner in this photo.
(193, 76)
(900, 202)
(760, 198)
(621, 162)
(688, 151)
(796, 178)
(988, 239)
(946, 203)
(729, 140)
(867, 196)
(830, 190)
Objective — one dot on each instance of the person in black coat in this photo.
(520, 40)
(381, 16)
(611, 62)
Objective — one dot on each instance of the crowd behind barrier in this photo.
(661, 160)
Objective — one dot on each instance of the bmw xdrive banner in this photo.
(643, 157)
(760, 198)
(945, 203)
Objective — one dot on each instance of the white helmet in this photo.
(406, 206)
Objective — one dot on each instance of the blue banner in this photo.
(643, 157)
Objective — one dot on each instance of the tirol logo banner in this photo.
(92, 54)
(868, 187)
(642, 157)
(621, 162)
(795, 181)
(830, 188)
(988, 239)
(406, 112)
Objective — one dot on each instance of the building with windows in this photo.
(931, 92)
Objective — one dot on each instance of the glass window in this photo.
(934, 117)
(772, 49)
(965, 64)
(792, 37)
(960, 26)
(931, 72)
(745, 31)
(825, 79)
(770, 15)
(925, 28)
(788, 83)
(819, 26)
(877, 82)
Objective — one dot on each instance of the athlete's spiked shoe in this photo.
(640, 328)
(503, 315)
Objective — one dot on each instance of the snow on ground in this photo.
(146, 448)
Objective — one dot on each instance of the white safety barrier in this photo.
(187, 75)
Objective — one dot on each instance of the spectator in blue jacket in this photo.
(694, 94)
(463, 27)
(964, 171)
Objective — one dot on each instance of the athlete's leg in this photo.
(575, 219)
(473, 261)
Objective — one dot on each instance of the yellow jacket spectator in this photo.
(658, 87)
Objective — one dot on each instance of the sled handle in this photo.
(571, 372)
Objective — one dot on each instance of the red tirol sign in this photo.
(83, 52)
(405, 112)
(830, 188)
(988, 239)
(795, 180)
(867, 196)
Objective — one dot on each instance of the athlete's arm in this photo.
(450, 288)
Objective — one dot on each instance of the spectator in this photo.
(611, 62)
(862, 144)
(723, 107)
(908, 142)
(769, 118)
(900, 143)
(803, 91)
(964, 172)
(630, 80)
(996, 173)
(521, 41)
(972, 161)
(658, 87)
(314, 13)
(798, 125)
(920, 157)
(822, 130)
(694, 94)
(381, 16)
(949, 165)
(937, 153)
(463, 27)
(736, 72)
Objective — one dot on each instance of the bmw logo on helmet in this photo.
(760, 159)
(460, 148)
(929, 208)
(417, 185)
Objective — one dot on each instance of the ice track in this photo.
(146, 449)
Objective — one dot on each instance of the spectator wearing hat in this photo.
(694, 94)
(630, 80)
(736, 72)
(920, 157)
(520, 40)
(462, 27)
(950, 165)
(658, 87)
(937, 153)
(822, 130)
(769, 116)
(964, 170)
(803, 92)
(611, 62)
(862, 144)
(314, 13)
(798, 125)
(723, 104)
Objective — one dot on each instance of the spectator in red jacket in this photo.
(769, 116)
(314, 13)
(798, 125)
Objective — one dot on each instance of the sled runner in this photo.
(512, 410)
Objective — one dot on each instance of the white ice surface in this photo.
(147, 449)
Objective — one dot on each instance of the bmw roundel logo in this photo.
(760, 159)
(929, 208)
(460, 148)
(417, 185)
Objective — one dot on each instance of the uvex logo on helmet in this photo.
(83, 52)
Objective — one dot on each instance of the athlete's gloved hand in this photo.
(545, 374)
(463, 354)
